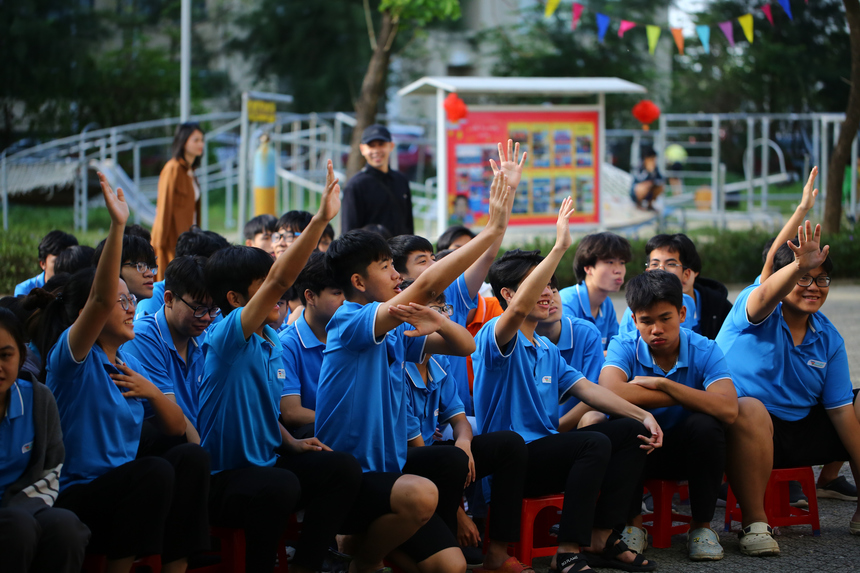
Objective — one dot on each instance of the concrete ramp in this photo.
(142, 209)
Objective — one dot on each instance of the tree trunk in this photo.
(372, 89)
(842, 150)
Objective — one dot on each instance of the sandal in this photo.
(511, 565)
(608, 558)
(576, 561)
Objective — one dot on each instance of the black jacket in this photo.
(715, 305)
(372, 196)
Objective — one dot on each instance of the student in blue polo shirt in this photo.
(790, 362)
(599, 265)
(34, 535)
(362, 394)
(683, 379)
(169, 343)
(50, 246)
(138, 265)
(132, 506)
(304, 343)
(520, 378)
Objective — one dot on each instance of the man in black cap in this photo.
(648, 183)
(377, 194)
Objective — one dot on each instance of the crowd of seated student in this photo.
(305, 372)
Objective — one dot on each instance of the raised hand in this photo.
(808, 254)
(562, 226)
(424, 319)
(330, 202)
(807, 200)
(115, 202)
(509, 165)
(500, 207)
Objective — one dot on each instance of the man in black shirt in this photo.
(377, 194)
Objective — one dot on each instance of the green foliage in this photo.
(19, 252)
(422, 12)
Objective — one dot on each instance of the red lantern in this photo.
(646, 112)
(455, 108)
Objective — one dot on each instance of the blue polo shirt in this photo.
(149, 306)
(101, 427)
(519, 388)
(17, 433)
(700, 363)
(788, 379)
(581, 347)
(240, 396)
(576, 303)
(153, 346)
(25, 287)
(457, 295)
(303, 358)
(690, 323)
(362, 398)
(432, 402)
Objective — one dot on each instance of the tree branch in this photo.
(368, 19)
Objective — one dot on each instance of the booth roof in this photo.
(521, 86)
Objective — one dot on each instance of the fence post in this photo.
(135, 173)
(4, 181)
(765, 156)
(822, 168)
(228, 192)
(715, 161)
(204, 189)
(853, 198)
(749, 163)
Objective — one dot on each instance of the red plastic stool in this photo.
(662, 526)
(777, 505)
(538, 516)
(233, 549)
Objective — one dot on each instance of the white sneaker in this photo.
(636, 538)
(757, 539)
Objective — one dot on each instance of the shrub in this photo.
(19, 258)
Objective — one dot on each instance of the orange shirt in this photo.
(488, 309)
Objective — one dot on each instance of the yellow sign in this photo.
(261, 111)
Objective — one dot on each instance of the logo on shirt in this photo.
(547, 380)
(282, 374)
(436, 413)
(817, 363)
(26, 448)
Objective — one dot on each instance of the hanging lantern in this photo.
(455, 108)
(646, 112)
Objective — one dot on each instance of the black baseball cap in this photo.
(375, 132)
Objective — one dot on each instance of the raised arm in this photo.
(444, 336)
(283, 273)
(807, 256)
(527, 295)
(807, 201)
(104, 293)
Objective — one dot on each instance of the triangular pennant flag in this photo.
(704, 33)
(768, 13)
(602, 26)
(747, 24)
(726, 27)
(577, 14)
(551, 5)
(653, 35)
(787, 7)
(624, 26)
(678, 34)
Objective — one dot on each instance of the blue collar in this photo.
(306, 335)
(585, 301)
(643, 353)
(812, 332)
(565, 338)
(15, 407)
(435, 373)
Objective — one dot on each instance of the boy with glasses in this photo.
(138, 268)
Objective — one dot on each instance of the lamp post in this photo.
(185, 62)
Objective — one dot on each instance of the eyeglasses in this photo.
(127, 301)
(142, 267)
(654, 265)
(823, 281)
(444, 309)
(201, 311)
(288, 237)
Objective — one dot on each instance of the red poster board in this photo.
(563, 160)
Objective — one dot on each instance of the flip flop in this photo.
(608, 558)
(511, 565)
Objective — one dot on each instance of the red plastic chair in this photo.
(233, 550)
(662, 520)
(777, 504)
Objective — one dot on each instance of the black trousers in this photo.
(503, 455)
(693, 450)
(261, 500)
(52, 540)
(579, 463)
(446, 466)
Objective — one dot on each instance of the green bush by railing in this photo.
(19, 258)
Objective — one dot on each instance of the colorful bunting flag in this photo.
(653, 36)
(726, 27)
(787, 7)
(551, 5)
(704, 33)
(678, 34)
(767, 12)
(602, 26)
(747, 24)
(625, 25)
(577, 14)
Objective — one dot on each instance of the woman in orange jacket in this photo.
(178, 205)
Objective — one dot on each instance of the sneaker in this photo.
(757, 540)
(636, 538)
(840, 488)
(703, 544)
(795, 495)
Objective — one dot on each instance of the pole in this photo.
(204, 189)
(441, 164)
(853, 198)
(6, 195)
(136, 176)
(749, 163)
(600, 156)
(715, 161)
(185, 62)
(243, 162)
(765, 158)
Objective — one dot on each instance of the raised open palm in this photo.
(808, 253)
(115, 202)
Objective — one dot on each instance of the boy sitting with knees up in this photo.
(258, 232)
(520, 378)
(362, 398)
(50, 247)
(683, 379)
(599, 265)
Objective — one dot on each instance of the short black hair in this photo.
(234, 269)
(54, 243)
(200, 243)
(451, 234)
(315, 277)
(328, 231)
(379, 229)
(681, 244)
(295, 221)
(73, 259)
(134, 249)
(785, 256)
(510, 269)
(138, 231)
(766, 249)
(352, 253)
(440, 299)
(260, 224)
(443, 253)
(600, 246)
(404, 245)
(648, 151)
(647, 289)
(186, 275)
(11, 324)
